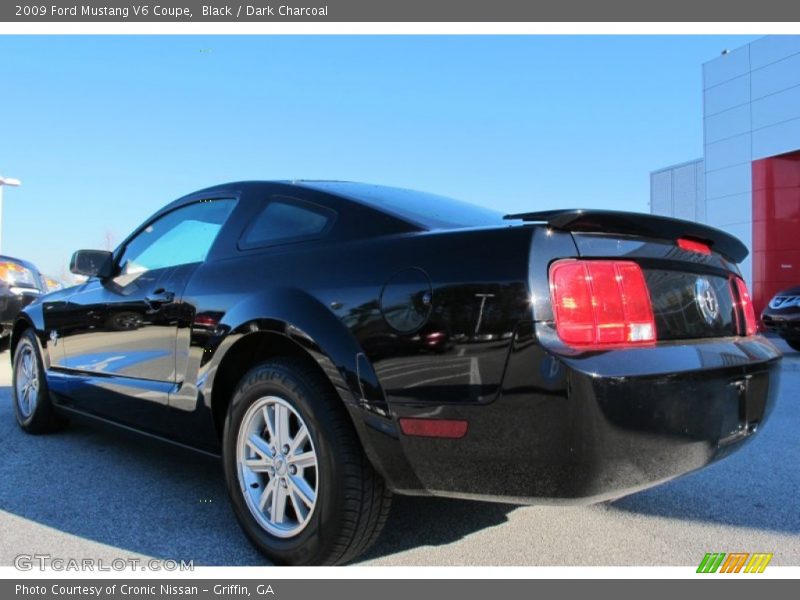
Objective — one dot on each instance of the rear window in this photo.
(283, 221)
(429, 211)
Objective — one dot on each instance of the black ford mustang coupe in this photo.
(337, 342)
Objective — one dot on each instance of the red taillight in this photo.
(601, 303)
(694, 246)
(439, 428)
(746, 304)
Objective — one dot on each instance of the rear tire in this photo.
(301, 486)
(32, 406)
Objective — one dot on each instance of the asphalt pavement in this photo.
(91, 493)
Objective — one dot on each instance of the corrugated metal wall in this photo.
(679, 191)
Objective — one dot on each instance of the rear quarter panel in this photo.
(330, 298)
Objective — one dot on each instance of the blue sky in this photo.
(105, 130)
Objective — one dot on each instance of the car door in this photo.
(119, 333)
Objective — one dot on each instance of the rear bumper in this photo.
(588, 428)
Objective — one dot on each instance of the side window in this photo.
(180, 237)
(286, 221)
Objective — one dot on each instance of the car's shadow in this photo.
(419, 521)
(146, 497)
(754, 501)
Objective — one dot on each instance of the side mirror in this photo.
(91, 263)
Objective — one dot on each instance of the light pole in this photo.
(4, 181)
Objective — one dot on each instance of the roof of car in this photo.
(425, 209)
(19, 261)
(419, 209)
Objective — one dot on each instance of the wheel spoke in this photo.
(281, 425)
(26, 366)
(28, 399)
(301, 461)
(265, 495)
(278, 511)
(304, 491)
(300, 509)
(257, 465)
(299, 440)
(258, 445)
(268, 420)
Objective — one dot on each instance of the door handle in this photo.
(159, 297)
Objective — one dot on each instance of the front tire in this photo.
(301, 486)
(29, 391)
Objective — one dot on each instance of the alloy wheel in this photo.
(27, 381)
(277, 466)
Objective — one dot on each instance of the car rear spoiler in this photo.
(639, 224)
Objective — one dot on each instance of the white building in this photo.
(750, 184)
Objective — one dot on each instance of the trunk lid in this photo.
(693, 291)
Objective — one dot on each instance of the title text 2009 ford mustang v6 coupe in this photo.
(337, 342)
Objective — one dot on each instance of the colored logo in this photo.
(735, 562)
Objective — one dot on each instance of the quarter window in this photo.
(282, 221)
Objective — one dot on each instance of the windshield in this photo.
(425, 210)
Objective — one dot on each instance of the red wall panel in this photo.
(776, 226)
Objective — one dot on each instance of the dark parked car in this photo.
(336, 342)
(782, 316)
(20, 284)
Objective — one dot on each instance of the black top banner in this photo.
(469, 11)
